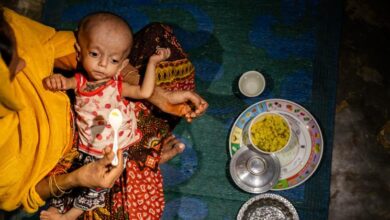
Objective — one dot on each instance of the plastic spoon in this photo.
(115, 120)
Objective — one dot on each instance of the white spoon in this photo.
(115, 120)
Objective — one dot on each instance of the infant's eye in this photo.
(93, 54)
(115, 61)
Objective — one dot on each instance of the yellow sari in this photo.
(34, 123)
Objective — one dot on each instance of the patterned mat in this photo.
(293, 43)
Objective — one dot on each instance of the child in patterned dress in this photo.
(103, 44)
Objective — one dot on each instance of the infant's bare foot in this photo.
(171, 147)
(50, 214)
(53, 214)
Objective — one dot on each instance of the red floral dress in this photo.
(92, 111)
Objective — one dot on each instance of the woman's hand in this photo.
(100, 174)
(194, 104)
(186, 104)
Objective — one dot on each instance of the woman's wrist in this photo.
(75, 178)
(156, 96)
(61, 186)
(68, 181)
(56, 185)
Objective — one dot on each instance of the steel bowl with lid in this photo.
(254, 172)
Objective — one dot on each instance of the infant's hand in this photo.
(161, 54)
(55, 82)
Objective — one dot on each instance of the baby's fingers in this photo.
(47, 83)
(51, 83)
(57, 82)
(164, 52)
(167, 53)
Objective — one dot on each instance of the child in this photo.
(104, 43)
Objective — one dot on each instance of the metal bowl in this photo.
(254, 172)
(268, 206)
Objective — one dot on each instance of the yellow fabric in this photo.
(34, 123)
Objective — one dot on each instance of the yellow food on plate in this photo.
(270, 132)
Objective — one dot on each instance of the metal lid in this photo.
(254, 172)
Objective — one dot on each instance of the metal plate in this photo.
(300, 160)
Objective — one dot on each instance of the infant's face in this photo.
(103, 53)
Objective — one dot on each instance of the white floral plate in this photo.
(300, 160)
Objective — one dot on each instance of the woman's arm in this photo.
(186, 104)
(98, 174)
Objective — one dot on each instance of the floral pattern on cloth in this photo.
(143, 198)
(90, 199)
(92, 110)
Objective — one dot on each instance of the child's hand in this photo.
(55, 82)
(161, 54)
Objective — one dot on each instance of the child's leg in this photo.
(53, 214)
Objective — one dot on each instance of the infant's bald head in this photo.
(107, 25)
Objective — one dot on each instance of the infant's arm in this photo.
(145, 90)
(57, 82)
(131, 91)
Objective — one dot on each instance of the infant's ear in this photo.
(78, 51)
